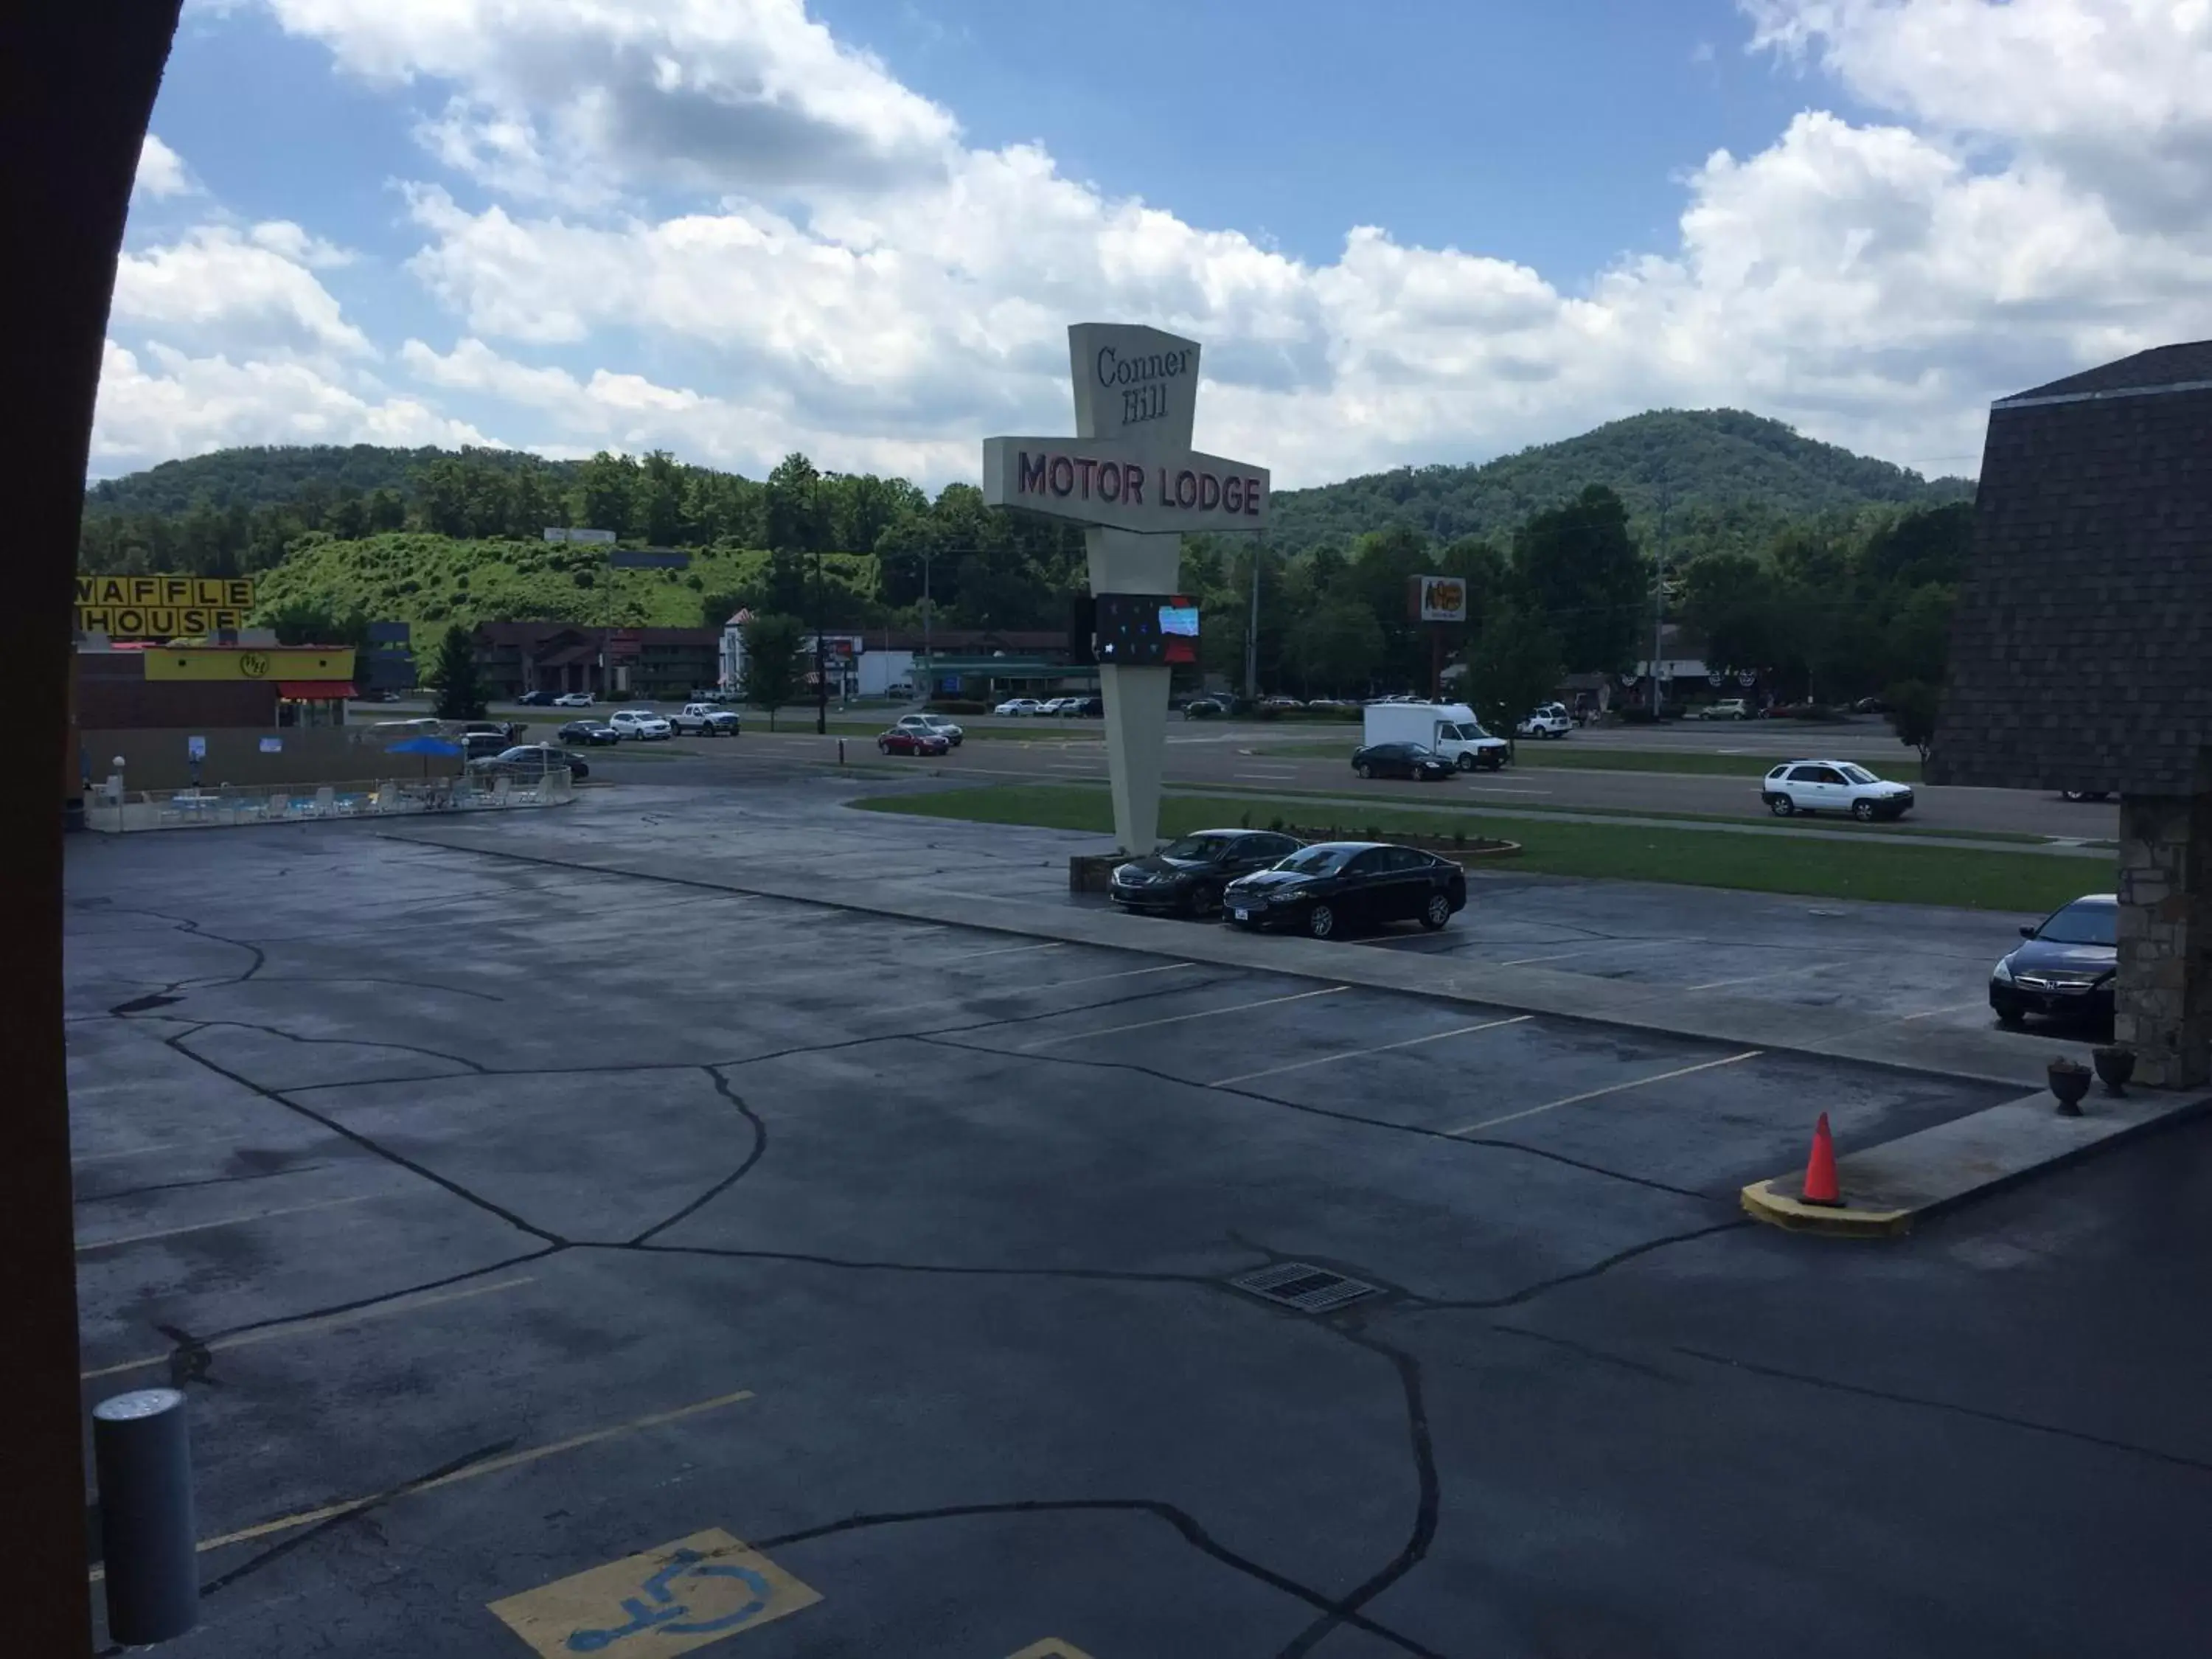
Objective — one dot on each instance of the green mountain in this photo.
(262, 475)
(1726, 476)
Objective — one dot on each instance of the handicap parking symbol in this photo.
(658, 1603)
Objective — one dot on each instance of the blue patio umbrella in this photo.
(426, 745)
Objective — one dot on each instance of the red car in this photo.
(897, 742)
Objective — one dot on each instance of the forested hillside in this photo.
(1730, 480)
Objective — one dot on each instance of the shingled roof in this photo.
(2082, 650)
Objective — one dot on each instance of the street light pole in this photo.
(1659, 594)
(1252, 636)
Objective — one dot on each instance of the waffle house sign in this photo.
(161, 607)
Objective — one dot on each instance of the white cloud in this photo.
(162, 171)
(230, 291)
(849, 278)
(183, 405)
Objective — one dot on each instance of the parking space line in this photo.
(1126, 973)
(1361, 1054)
(158, 1147)
(1952, 1008)
(226, 1221)
(1587, 951)
(1176, 1019)
(1012, 951)
(1755, 979)
(466, 1472)
(1610, 1088)
(382, 1311)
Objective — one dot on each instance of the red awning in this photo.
(315, 690)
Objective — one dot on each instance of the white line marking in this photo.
(1011, 950)
(1361, 1054)
(158, 1147)
(1594, 1094)
(1495, 789)
(1753, 979)
(225, 1221)
(1587, 951)
(1952, 1008)
(1126, 973)
(1176, 1019)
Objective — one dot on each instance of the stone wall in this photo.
(2164, 998)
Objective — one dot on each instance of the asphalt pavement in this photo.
(511, 1221)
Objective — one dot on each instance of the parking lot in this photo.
(506, 1215)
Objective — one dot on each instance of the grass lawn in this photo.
(1535, 756)
(1891, 870)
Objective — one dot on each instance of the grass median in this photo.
(1531, 755)
(1890, 871)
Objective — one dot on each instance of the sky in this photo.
(1405, 232)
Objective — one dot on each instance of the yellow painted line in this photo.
(247, 1339)
(1361, 1054)
(1175, 1019)
(1762, 1203)
(473, 1471)
(659, 1603)
(1597, 1094)
(1011, 950)
(226, 1221)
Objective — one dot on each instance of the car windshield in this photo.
(1318, 860)
(1196, 847)
(1857, 774)
(2085, 921)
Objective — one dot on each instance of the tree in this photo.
(1513, 666)
(454, 675)
(796, 514)
(1912, 714)
(318, 622)
(773, 671)
(1336, 647)
(1580, 566)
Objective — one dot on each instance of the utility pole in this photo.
(1659, 593)
(1252, 636)
(821, 670)
(928, 610)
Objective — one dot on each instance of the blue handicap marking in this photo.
(658, 1608)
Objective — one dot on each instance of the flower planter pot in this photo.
(2069, 1081)
(2115, 1066)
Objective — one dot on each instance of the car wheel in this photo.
(1363, 770)
(1437, 912)
(1466, 763)
(1862, 811)
(1321, 922)
(1782, 806)
(883, 748)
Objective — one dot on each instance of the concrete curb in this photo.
(1889, 1188)
(1976, 1056)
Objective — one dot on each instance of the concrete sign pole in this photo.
(1131, 478)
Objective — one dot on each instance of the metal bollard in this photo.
(144, 1458)
(841, 751)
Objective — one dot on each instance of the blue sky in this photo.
(1411, 232)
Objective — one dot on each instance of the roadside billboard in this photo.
(1438, 599)
(161, 607)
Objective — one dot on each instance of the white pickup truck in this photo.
(706, 719)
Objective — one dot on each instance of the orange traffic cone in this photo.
(1821, 1186)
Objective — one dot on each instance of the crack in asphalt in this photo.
(1596, 1270)
(759, 1149)
(207, 1180)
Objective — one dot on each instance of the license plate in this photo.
(1242, 915)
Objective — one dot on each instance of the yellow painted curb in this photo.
(1762, 1203)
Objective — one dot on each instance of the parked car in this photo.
(573, 699)
(528, 762)
(905, 740)
(1552, 720)
(899, 690)
(536, 699)
(1832, 786)
(595, 733)
(2085, 794)
(1188, 875)
(1019, 705)
(706, 719)
(1728, 709)
(1869, 706)
(1093, 708)
(1202, 708)
(480, 745)
(505, 731)
(2065, 969)
(1325, 889)
(1060, 706)
(386, 695)
(641, 724)
(1280, 702)
(934, 725)
(1401, 760)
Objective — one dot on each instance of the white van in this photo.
(1450, 728)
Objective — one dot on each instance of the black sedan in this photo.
(528, 762)
(2066, 967)
(597, 733)
(1400, 760)
(535, 699)
(1325, 889)
(1188, 875)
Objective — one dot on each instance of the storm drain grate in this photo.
(1301, 1286)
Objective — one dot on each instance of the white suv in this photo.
(1832, 786)
(641, 724)
(1552, 720)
